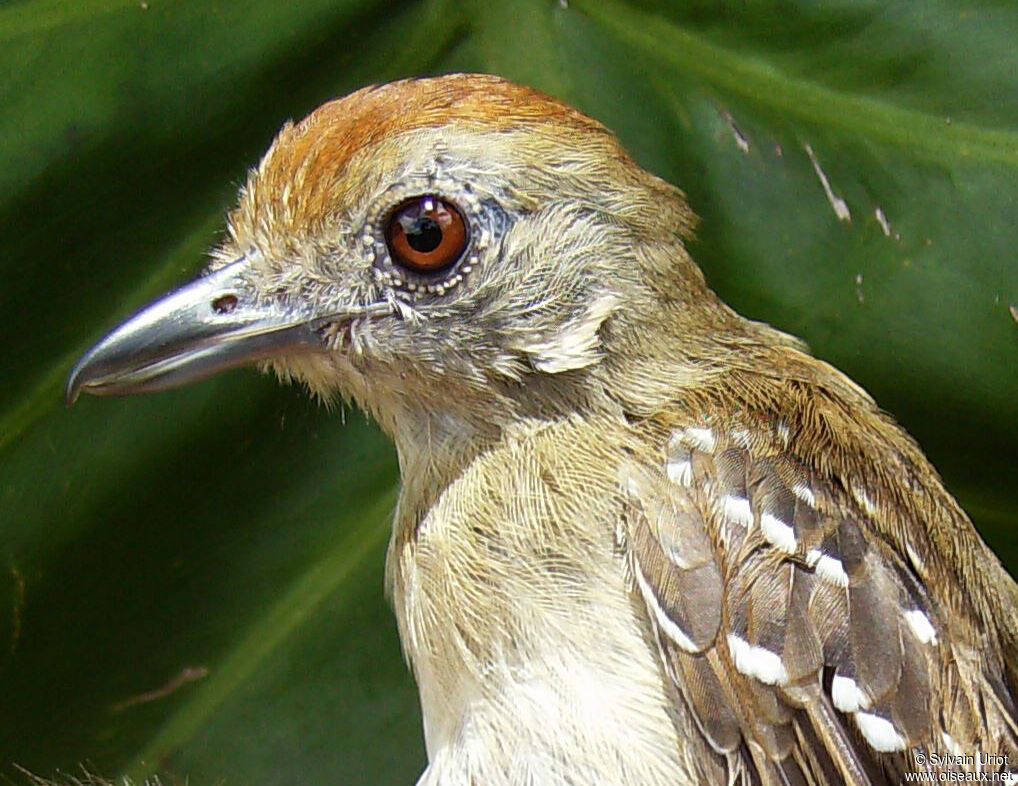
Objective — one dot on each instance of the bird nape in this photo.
(640, 539)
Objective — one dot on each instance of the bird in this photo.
(640, 539)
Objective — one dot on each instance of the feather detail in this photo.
(811, 652)
(673, 562)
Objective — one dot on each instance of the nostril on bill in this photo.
(224, 304)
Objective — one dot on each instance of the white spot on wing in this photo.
(741, 437)
(921, 626)
(914, 557)
(778, 533)
(864, 500)
(951, 744)
(827, 567)
(757, 662)
(837, 203)
(846, 695)
(667, 624)
(680, 471)
(805, 493)
(701, 438)
(879, 732)
(737, 510)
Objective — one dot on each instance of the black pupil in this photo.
(423, 234)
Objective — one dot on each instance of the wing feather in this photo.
(804, 645)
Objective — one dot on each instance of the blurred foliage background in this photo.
(191, 582)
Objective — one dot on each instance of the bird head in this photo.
(459, 247)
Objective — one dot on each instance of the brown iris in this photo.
(426, 234)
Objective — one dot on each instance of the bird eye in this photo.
(426, 234)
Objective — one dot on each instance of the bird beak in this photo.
(207, 326)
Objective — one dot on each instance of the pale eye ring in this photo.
(426, 234)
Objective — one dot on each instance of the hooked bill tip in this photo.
(75, 383)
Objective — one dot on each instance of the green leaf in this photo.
(191, 582)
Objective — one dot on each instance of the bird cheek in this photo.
(325, 376)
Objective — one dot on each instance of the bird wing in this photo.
(800, 638)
